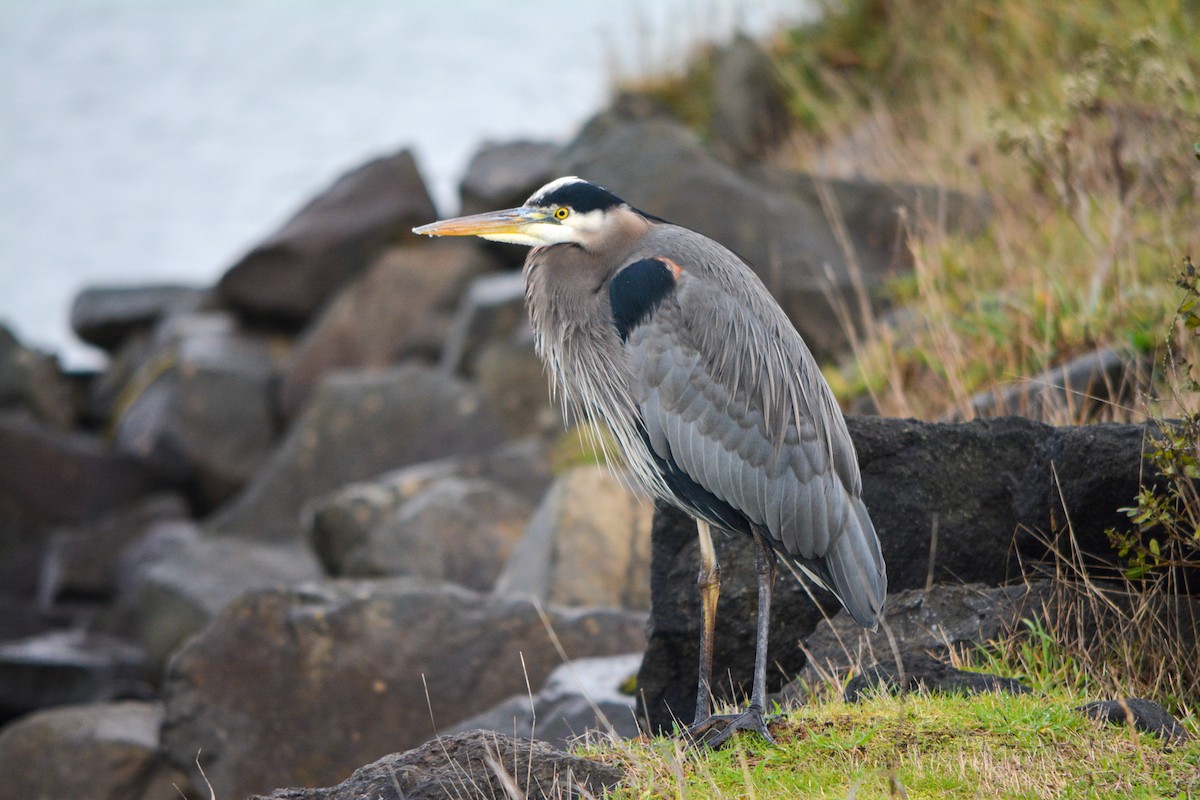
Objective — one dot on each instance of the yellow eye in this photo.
(561, 213)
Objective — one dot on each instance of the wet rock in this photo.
(288, 276)
(178, 580)
(63, 667)
(455, 529)
(588, 544)
(81, 560)
(1146, 716)
(100, 752)
(398, 308)
(919, 672)
(476, 764)
(352, 669)
(580, 698)
(50, 477)
(492, 310)
(357, 426)
(106, 316)
(31, 383)
(751, 115)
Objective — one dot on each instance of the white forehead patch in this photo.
(540, 195)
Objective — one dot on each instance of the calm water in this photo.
(156, 141)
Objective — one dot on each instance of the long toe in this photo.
(719, 728)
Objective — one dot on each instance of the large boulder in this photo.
(455, 529)
(81, 560)
(475, 764)
(588, 544)
(751, 114)
(200, 404)
(176, 581)
(492, 310)
(778, 221)
(32, 383)
(288, 276)
(106, 316)
(50, 477)
(357, 426)
(327, 677)
(947, 501)
(399, 308)
(105, 751)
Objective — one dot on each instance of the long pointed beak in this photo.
(512, 221)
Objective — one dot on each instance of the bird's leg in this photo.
(709, 581)
(753, 718)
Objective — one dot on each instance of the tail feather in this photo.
(856, 568)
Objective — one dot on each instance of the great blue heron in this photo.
(710, 393)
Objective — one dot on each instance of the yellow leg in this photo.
(709, 581)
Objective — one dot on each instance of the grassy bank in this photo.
(1000, 746)
(1078, 121)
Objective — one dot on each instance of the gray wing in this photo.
(730, 395)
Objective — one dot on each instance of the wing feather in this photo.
(736, 400)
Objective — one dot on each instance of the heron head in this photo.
(567, 210)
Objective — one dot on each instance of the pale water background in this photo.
(156, 140)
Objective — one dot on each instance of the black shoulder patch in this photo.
(581, 197)
(636, 291)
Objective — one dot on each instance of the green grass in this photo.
(988, 745)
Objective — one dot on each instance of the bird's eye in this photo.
(561, 213)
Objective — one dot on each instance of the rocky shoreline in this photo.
(319, 513)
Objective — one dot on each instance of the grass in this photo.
(1077, 121)
(988, 745)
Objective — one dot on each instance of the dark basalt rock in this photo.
(1146, 716)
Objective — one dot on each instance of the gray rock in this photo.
(751, 115)
(492, 310)
(200, 408)
(477, 764)
(178, 581)
(31, 383)
(933, 620)
(976, 484)
(1075, 391)
(327, 676)
(504, 175)
(99, 752)
(778, 221)
(81, 559)
(357, 426)
(298, 268)
(105, 316)
(50, 477)
(580, 698)
(455, 529)
(588, 544)
(512, 380)
(64, 667)
(1146, 716)
(398, 308)
(922, 673)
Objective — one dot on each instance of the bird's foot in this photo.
(717, 729)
